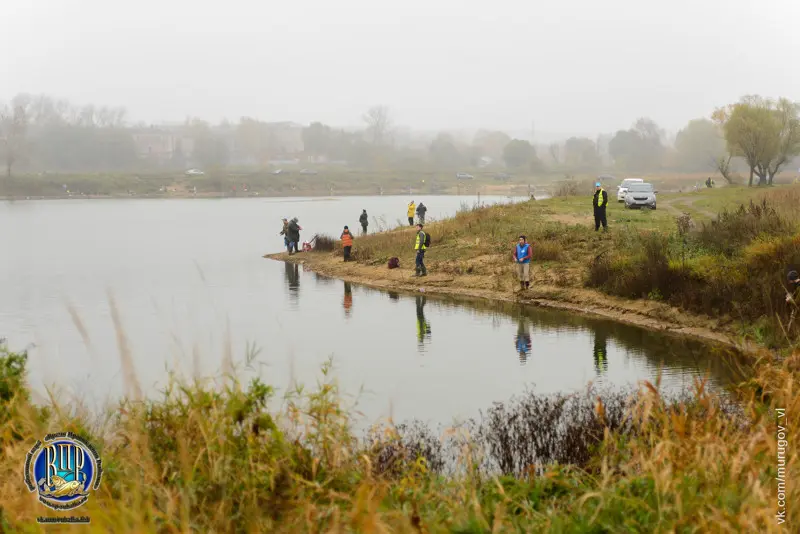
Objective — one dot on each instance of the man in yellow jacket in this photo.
(411, 210)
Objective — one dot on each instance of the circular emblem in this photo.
(64, 469)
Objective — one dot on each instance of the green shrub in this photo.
(734, 229)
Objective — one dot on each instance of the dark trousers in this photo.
(420, 262)
(600, 218)
(411, 221)
(421, 218)
(347, 253)
(364, 229)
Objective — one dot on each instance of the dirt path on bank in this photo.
(642, 313)
(678, 205)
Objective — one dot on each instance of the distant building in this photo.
(285, 138)
(155, 144)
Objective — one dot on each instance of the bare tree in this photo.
(13, 128)
(723, 165)
(379, 124)
(555, 152)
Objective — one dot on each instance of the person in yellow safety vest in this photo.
(420, 247)
(423, 326)
(411, 210)
(599, 202)
(600, 353)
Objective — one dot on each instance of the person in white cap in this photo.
(599, 202)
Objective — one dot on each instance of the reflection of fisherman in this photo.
(523, 341)
(600, 352)
(423, 327)
(292, 275)
(348, 299)
(394, 296)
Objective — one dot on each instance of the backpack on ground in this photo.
(394, 263)
(427, 239)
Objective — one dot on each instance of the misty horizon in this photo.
(572, 68)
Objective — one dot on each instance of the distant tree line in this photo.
(41, 133)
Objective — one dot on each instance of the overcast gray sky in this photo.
(573, 66)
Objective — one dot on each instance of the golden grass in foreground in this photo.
(205, 459)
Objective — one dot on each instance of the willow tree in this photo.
(765, 132)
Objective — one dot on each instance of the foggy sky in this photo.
(571, 66)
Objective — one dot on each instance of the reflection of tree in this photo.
(522, 340)
(348, 299)
(600, 351)
(423, 327)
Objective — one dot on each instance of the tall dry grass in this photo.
(204, 458)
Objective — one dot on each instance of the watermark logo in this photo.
(783, 446)
(64, 469)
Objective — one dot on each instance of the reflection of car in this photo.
(194, 172)
(464, 176)
(622, 188)
(308, 171)
(277, 171)
(640, 195)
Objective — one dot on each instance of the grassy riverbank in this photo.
(328, 181)
(214, 458)
(713, 260)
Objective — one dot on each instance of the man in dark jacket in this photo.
(364, 220)
(293, 231)
(421, 209)
(599, 203)
(793, 280)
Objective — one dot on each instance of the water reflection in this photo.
(293, 279)
(393, 295)
(522, 340)
(600, 352)
(348, 299)
(423, 326)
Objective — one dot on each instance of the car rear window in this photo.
(641, 188)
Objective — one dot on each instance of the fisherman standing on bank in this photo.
(420, 246)
(347, 243)
(522, 257)
(599, 203)
(411, 208)
(364, 220)
(421, 210)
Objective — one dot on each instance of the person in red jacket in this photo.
(522, 257)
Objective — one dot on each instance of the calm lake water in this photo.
(189, 280)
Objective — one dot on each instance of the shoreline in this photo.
(216, 196)
(641, 313)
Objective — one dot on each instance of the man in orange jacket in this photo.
(347, 243)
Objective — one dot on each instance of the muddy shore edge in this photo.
(642, 313)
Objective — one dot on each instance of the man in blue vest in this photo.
(599, 202)
(522, 257)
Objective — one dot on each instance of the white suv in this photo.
(622, 189)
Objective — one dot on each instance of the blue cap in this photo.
(597, 184)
